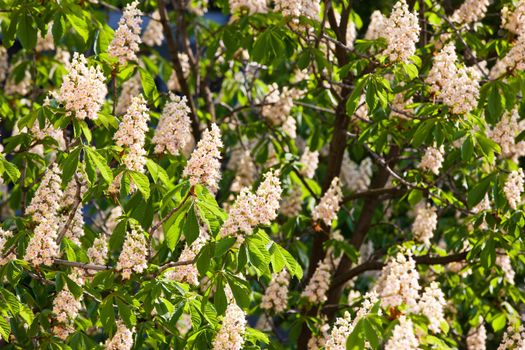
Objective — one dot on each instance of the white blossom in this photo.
(122, 339)
(505, 133)
(4, 63)
(233, 328)
(513, 339)
(399, 282)
(328, 207)
(173, 131)
(403, 336)
(130, 88)
(65, 310)
(126, 42)
(356, 177)
(250, 6)
(514, 60)
(252, 209)
(377, 26)
(133, 254)
(275, 297)
(457, 87)
(4, 237)
(503, 261)
(188, 273)
(432, 305)
(154, 34)
(433, 159)
(204, 166)
(401, 32)
(245, 171)
(477, 338)
(425, 223)
(309, 160)
(514, 187)
(292, 204)
(131, 134)
(513, 21)
(319, 283)
(471, 11)
(43, 247)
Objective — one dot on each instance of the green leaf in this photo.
(476, 194)
(142, 182)
(107, 314)
(223, 245)
(356, 340)
(79, 24)
(499, 322)
(5, 328)
(149, 87)
(126, 313)
(467, 149)
(100, 163)
(69, 167)
(11, 170)
(27, 31)
(191, 226)
(104, 37)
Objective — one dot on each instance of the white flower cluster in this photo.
(173, 82)
(122, 339)
(4, 237)
(46, 43)
(342, 328)
(514, 60)
(131, 134)
(75, 188)
(22, 88)
(514, 188)
(503, 261)
(43, 247)
(126, 42)
(4, 63)
(65, 309)
(252, 209)
(204, 166)
(83, 90)
(513, 21)
(189, 273)
(275, 297)
(245, 171)
(318, 341)
(154, 34)
(403, 336)
(432, 305)
(130, 89)
(250, 6)
(432, 159)
(399, 282)
(504, 134)
(296, 8)
(513, 339)
(471, 11)
(292, 204)
(309, 160)
(231, 334)
(477, 338)
(356, 177)
(98, 252)
(133, 254)
(401, 32)
(457, 87)
(376, 27)
(277, 107)
(173, 131)
(318, 285)
(425, 223)
(328, 207)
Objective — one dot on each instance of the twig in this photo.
(85, 266)
(174, 264)
(173, 211)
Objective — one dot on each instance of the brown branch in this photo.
(373, 193)
(81, 265)
(174, 264)
(428, 259)
(173, 211)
